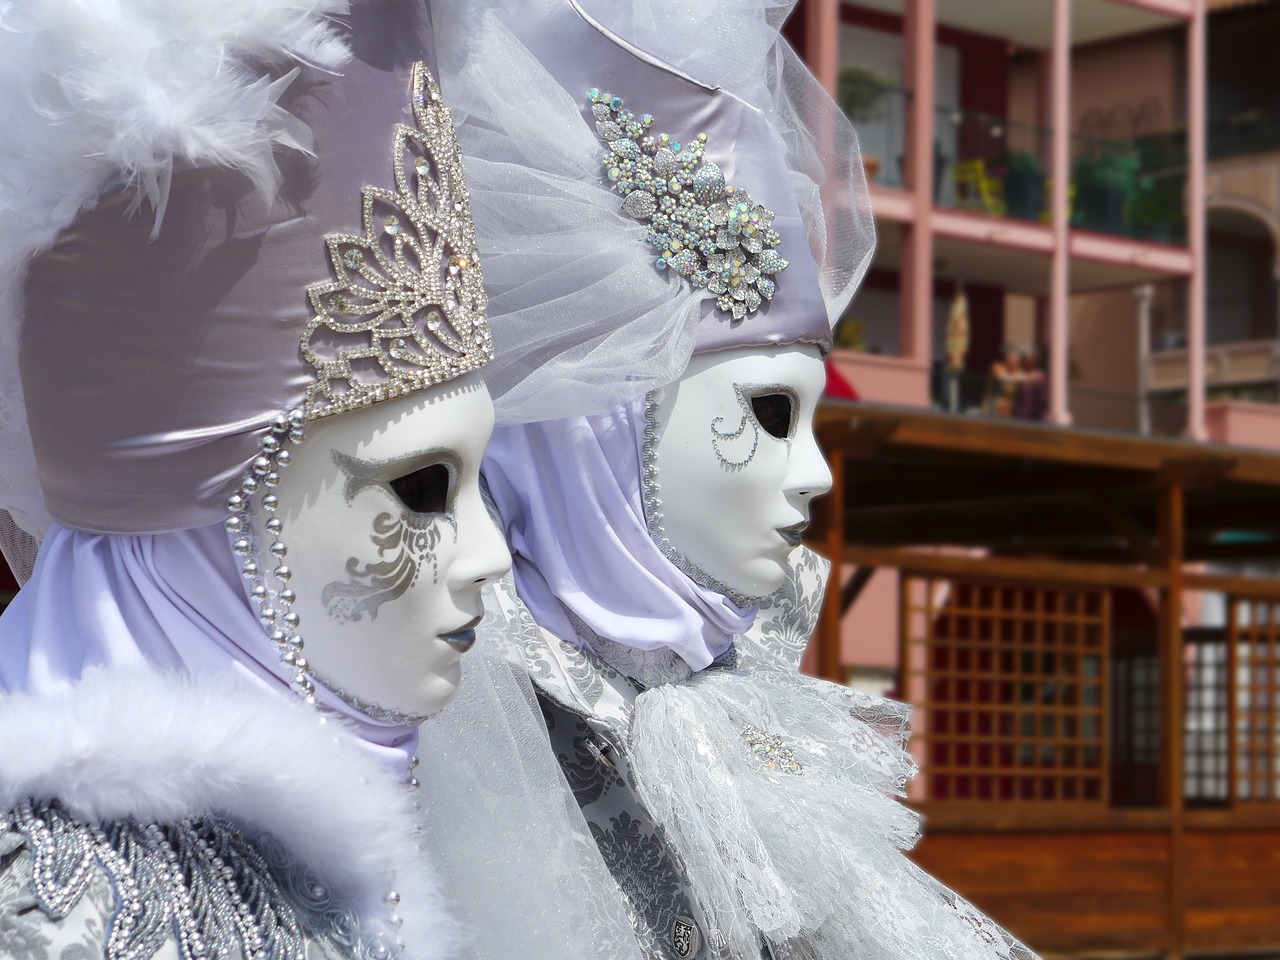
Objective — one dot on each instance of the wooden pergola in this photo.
(1034, 530)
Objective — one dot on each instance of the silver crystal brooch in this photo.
(707, 231)
(770, 750)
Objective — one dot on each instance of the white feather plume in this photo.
(100, 92)
(163, 747)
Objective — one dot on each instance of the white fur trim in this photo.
(100, 88)
(161, 747)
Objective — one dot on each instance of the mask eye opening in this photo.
(775, 412)
(425, 490)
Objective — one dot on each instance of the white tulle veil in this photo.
(523, 874)
(585, 321)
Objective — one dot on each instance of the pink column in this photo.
(822, 41)
(916, 281)
(1197, 83)
(1060, 173)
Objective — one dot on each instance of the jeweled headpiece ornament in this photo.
(710, 233)
(408, 301)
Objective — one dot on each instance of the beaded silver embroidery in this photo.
(719, 436)
(407, 309)
(710, 233)
(199, 882)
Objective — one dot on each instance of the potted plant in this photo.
(1024, 192)
(1105, 182)
(859, 90)
(1155, 210)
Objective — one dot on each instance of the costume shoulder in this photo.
(149, 815)
(124, 889)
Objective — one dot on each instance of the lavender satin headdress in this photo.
(179, 391)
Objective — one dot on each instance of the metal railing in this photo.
(995, 166)
(1026, 398)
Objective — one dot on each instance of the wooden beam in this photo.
(1031, 570)
(1242, 586)
(856, 438)
(1171, 703)
(853, 589)
(989, 438)
(1200, 472)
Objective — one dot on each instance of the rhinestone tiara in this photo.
(407, 309)
(710, 233)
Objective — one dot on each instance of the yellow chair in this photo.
(1071, 201)
(977, 191)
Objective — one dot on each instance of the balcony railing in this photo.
(1244, 135)
(1026, 398)
(989, 164)
(995, 166)
(1129, 189)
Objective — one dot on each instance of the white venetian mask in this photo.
(737, 464)
(390, 543)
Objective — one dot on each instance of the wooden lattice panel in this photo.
(1009, 683)
(1254, 631)
(1206, 761)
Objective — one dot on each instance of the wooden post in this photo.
(830, 665)
(1171, 700)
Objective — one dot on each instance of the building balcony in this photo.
(1243, 382)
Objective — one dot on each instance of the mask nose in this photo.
(482, 552)
(809, 475)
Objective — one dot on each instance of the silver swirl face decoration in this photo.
(746, 394)
(405, 541)
(405, 546)
(720, 436)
